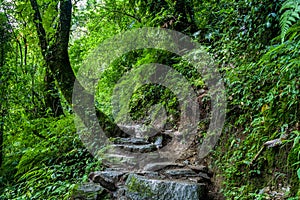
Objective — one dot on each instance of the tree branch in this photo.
(122, 13)
(39, 26)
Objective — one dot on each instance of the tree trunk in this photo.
(187, 21)
(56, 56)
(52, 99)
(4, 36)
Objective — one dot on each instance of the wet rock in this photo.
(141, 188)
(161, 165)
(89, 191)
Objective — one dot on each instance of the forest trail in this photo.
(186, 178)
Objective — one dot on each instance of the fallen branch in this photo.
(269, 144)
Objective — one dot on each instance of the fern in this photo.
(293, 32)
(291, 11)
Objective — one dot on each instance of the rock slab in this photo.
(142, 188)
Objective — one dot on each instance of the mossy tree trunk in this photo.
(55, 53)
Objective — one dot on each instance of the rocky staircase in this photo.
(161, 180)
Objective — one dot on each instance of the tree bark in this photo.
(52, 99)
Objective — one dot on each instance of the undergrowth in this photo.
(46, 167)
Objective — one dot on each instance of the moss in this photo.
(136, 186)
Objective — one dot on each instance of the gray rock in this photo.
(141, 188)
(199, 168)
(107, 179)
(128, 129)
(120, 193)
(204, 176)
(89, 191)
(161, 165)
(159, 142)
(132, 141)
(118, 159)
(116, 169)
(137, 148)
(112, 174)
(150, 174)
(180, 173)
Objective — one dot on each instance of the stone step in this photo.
(132, 141)
(161, 165)
(164, 180)
(119, 160)
(145, 148)
(201, 168)
(178, 173)
(142, 188)
(107, 179)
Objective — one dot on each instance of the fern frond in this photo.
(293, 31)
(290, 16)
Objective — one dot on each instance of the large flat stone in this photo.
(142, 188)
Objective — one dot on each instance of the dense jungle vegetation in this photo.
(256, 45)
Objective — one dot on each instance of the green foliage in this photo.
(149, 95)
(44, 158)
(49, 167)
(290, 15)
(237, 31)
(264, 98)
(134, 185)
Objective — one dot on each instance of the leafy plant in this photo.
(290, 14)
